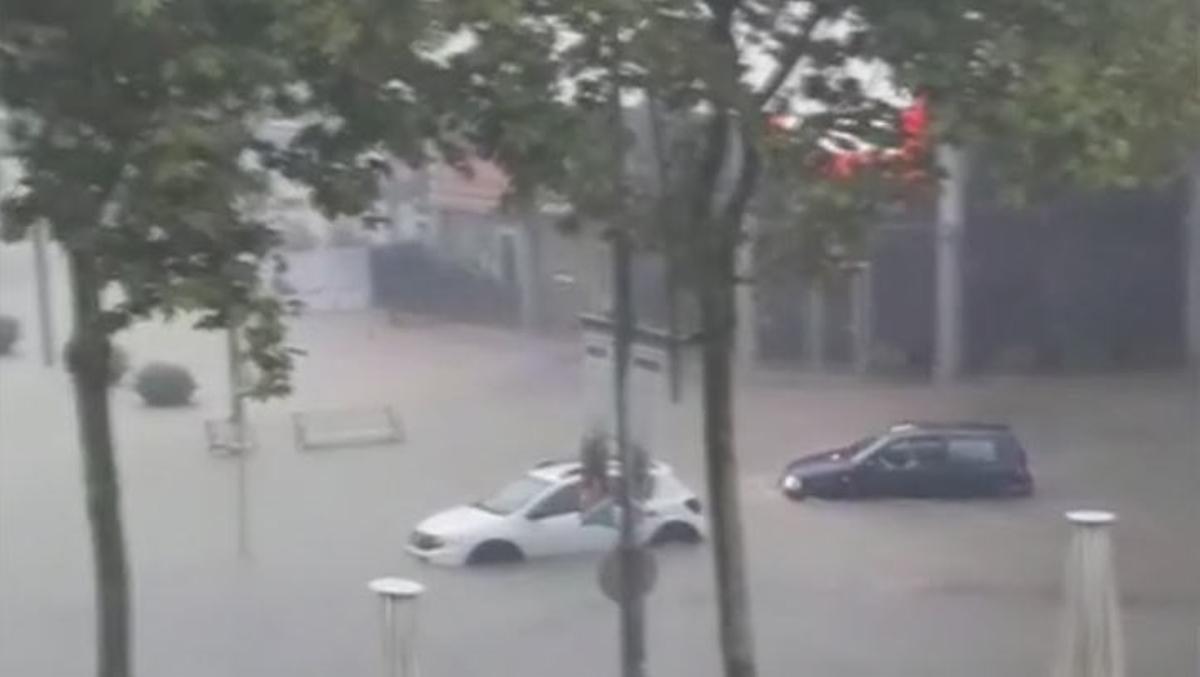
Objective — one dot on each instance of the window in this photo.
(514, 496)
(562, 502)
(643, 492)
(913, 452)
(974, 450)
(862, 448)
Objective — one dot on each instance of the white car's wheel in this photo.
(495, 552)
(675, 532)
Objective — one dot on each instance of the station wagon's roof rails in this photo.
(952, 425)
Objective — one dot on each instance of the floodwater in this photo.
(929, 589)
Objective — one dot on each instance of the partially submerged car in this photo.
(541, 514)
(921, 460)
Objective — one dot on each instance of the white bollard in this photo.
(398, 623)
(1092, 641)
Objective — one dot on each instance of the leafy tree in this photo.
(141, 127)
(138, 122)
(1069, 92)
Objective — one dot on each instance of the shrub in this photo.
(165, 385)
(10, 331)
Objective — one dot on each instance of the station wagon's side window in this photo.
(913, 452)
(974, 450)
(562, 502)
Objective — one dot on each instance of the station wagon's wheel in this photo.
(675, 532)
(495, 552)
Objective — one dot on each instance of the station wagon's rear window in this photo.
(974, 450)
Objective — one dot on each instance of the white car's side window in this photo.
(563, 501)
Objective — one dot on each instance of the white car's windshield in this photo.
(514, 496)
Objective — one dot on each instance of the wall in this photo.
(1093, 281)
(411, 278)
(902, 288)
(329, 279)
(1089, 281)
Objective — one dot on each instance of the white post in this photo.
(398, 635)
(1092, 639)
(948, 316)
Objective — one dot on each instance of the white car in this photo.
(539, 514)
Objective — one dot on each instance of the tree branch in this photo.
(792, 53)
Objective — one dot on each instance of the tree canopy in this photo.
(1076, 93)
(142, 132)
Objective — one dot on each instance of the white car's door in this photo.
(553, 526)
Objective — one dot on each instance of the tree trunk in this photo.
(89, 363)
(717, 313)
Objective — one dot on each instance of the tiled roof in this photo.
(479, 192)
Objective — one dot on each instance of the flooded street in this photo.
(937, 589)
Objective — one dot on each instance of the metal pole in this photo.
(41, 270)
(814, 324)
(863, 315)
(633, 640)
(948, 334)
(633, 649)
(1191, 263)
(237, 405)
(237, 423)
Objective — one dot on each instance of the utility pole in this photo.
(632, 605)
(633, 639)
(948, 248)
